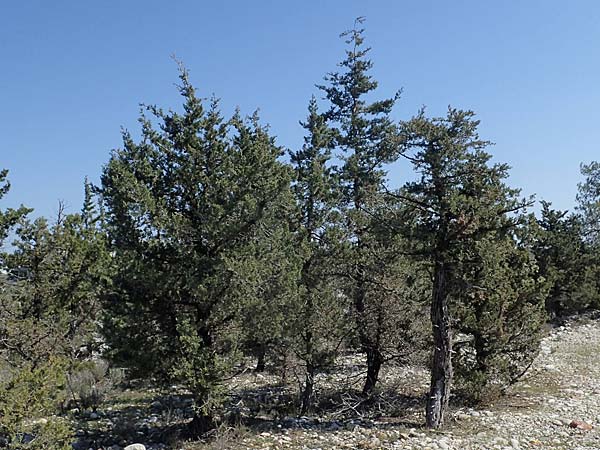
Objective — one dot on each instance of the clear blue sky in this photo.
(73, 72)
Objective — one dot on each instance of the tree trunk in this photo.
(371, 349)
(441, 370)
(284, 368)
(260, 364)
(374, 362)
(307, 393)
(200, 425)
(481, 353)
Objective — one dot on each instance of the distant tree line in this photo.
(207, 243)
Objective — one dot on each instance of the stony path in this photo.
(562, 386)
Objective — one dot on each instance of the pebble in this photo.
(135, 447)
(539, 418)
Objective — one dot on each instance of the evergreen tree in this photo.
(182, 207)
(498, 308)
(321, 321)
(565, 261)
(49, 307)
(89, 210)
(588, 208)
(9, 217)
(57, 274)
(588, 199)
(364, 141)
(459, 201)
(268, 270)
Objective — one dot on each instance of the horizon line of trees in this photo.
(203, 245)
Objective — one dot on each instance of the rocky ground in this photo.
(555, 406)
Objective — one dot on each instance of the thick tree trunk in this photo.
(441, 370)
(307, 393)
(374, 362)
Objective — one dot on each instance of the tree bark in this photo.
(200, 425)
(374, 362)
(369, 345)
(371, 348)
(441, 370)
(260, 364)
(307, 393)
(481, 353)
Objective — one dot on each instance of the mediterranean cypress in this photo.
(459, 201)
(182, 206)
(364, 142)
(321, 321)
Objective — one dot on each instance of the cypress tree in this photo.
(49, 311)
(588, 209)
(10, 216)
(498, 308)
(588, 201)
(459, 201)
(364, 142)
(182, 205)
(321, 321)
(564, 257)
(268, 270)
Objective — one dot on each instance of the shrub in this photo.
(28, 399)
(90, 383)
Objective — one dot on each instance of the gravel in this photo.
(562, 386)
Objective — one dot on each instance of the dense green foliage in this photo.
(466, 220)
(208, 249)
(566, 261)
(322, 321)
(49, 312)
(588, 199)
(364, 137)
(187, 208)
